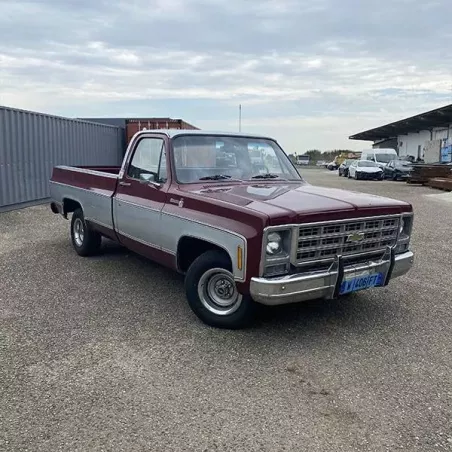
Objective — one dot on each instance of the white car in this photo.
(365, 169)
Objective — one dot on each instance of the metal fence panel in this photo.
(31, 144)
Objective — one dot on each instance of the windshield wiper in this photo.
(265, 176)
(215, 177)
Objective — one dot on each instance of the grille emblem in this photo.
(355, 237)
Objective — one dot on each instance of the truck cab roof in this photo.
(172, 133)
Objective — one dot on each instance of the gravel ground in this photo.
(103, 354)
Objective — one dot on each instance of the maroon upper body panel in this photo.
(247, 207)
(102, 181)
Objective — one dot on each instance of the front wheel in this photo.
(356, 176)
(85, 241)
(212, 293)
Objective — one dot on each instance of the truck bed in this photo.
(92, 187)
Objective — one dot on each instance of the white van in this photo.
(380, 156)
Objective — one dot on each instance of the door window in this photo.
(149, 161)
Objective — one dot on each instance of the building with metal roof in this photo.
(421, 136)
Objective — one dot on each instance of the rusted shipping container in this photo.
(130, 126)
(135, 125)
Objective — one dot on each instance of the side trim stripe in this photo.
(83, 189)
(143, 242)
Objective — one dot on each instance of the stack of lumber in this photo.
(422, 173)
(443, 183)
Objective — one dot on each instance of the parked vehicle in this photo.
(365, 169)
(332, 166)
(346, 155)
(398, 170)
(343, 167)
(408, 158)
(241, 235)
(303, 160)
(321, 163)
(380, 156)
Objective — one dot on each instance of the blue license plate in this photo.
(361, 283)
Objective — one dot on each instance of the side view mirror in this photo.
(150, 179)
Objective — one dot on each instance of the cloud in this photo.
(321, 70)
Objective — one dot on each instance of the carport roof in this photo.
(424, 121)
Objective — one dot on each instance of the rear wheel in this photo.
(212, 293)
(85, 241)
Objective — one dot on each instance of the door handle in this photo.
(125, 184)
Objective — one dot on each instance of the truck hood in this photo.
(295, 202)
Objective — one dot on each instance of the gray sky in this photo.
(310, 73)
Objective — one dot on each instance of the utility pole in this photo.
(240, 117)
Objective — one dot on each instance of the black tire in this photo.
(242, 312)
(89, 242)
(356, 176)
(394, 177)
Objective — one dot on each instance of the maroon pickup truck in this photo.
(231, 212)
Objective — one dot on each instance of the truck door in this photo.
(141, 195)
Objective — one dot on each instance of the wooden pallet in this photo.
(441, 183)
(422, 173)
(416, 180)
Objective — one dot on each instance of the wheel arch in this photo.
(71, 205)
(190, 247)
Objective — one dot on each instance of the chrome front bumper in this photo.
(326, 284)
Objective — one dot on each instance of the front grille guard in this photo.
(338, 267)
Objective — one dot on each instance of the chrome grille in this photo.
(323, 241)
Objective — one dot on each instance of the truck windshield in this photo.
(222, 158)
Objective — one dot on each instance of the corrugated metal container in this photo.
(134, 125)
(31, 144)
(117, 122)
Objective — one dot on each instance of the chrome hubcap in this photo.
(79, 232)
(218, 292)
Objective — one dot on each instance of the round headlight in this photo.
(274, 243)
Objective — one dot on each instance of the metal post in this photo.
(240, 117)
